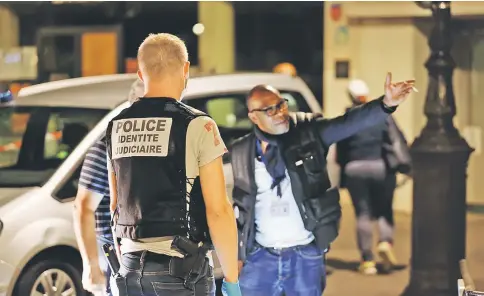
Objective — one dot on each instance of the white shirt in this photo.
(278, 221)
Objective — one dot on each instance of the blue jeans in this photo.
(141, 276)
(298, 271)
(103, 261)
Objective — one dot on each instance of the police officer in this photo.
(167, 185)
(287, 212)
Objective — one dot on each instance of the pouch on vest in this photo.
(327, 212)
(325, 209)
(306, 160)
(325, 235)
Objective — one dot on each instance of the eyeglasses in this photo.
(274, 109)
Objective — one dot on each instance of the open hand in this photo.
(396, 93)
(93, 279)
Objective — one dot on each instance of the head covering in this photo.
(358, 91)
(358, 88)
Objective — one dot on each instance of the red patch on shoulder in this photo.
(209, 126)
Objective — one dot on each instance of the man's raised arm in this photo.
(336, 129)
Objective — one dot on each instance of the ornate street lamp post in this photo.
(440, 156)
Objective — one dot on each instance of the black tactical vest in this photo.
(304, 154)
(146, 144)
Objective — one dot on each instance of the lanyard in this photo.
(258, 146)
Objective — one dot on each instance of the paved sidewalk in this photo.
(344, 259)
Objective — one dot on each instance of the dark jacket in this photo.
(383, 141)
(319, 204)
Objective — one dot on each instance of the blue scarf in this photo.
(272, 158)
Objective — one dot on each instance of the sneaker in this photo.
(368, 268)
(385, 251)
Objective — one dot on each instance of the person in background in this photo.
(92, 218)
(370, 179)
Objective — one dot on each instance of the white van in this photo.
(43, 139)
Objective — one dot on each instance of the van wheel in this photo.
(50, 277)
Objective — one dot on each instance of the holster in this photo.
(193, 266)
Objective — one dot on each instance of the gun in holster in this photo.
(112, 258)
(192, 267)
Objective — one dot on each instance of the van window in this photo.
(35, 141)
(231, 114)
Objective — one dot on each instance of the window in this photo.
(229, 112)
(68, 189)
(76, 124)
(34, 141)
(231, 115)
(57, 57)
(12, 128)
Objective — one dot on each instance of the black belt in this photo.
(159, 258)
(279, 251)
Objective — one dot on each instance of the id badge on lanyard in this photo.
(279, 207)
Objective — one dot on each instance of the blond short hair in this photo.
(161, 53)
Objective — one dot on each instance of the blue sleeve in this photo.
(353, 121)
(94, 172)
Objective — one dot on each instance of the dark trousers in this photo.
(297, 271)
(372, 199)
(103, 262)
(142, 275)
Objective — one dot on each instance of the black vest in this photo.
(146, 144)
(304, 154)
